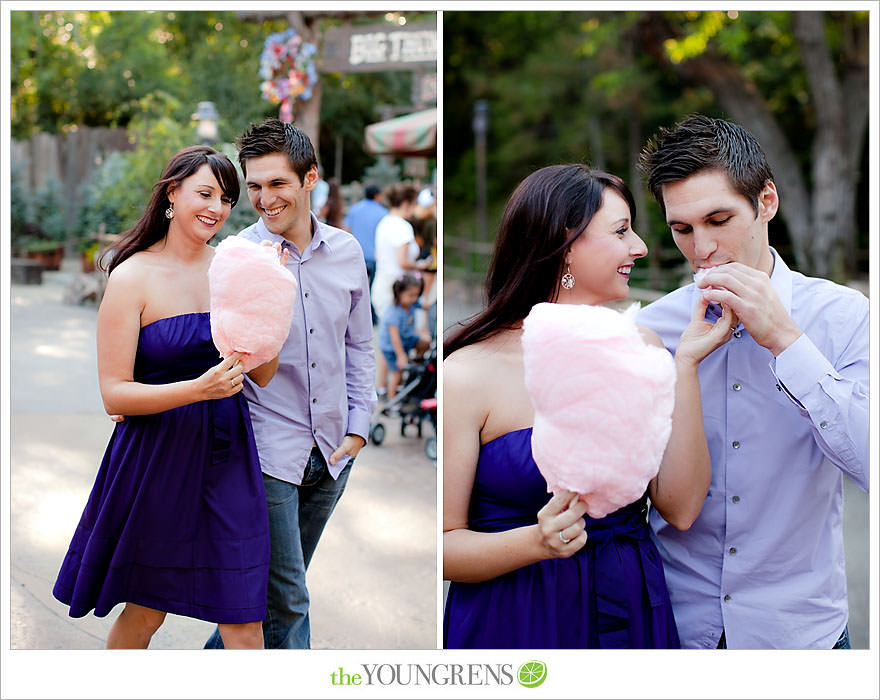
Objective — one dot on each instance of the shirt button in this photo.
(314, 400)
(311, 330)
(737, 334)
(732, 550)
(314, 364)
(778, 388)
(735, 499)
(306, 295)
(726, 598)
(736, 444)
(823, 425)
(737, 387)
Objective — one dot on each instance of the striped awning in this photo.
(410, 135)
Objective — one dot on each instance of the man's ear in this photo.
(768, 201)
(311, 179)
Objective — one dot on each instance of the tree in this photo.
(819, 208)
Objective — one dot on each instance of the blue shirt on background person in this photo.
(362, 218)
(405, 320)
(764, 561)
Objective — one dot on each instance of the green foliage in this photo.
(95, 67)
(49, 210)
(19, 202)
(349, 102)
(579, 86)
(118, 191)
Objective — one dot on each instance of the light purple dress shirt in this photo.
(325, 384)
(764, 561)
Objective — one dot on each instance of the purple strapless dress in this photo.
(176, 519)
(609, 595)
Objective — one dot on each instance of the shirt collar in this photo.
(780, 278)
(319, 235)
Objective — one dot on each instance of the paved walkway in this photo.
(373, 578)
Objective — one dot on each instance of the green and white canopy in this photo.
(410, 135)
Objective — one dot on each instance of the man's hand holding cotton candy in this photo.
(603, 402)
(252, 300)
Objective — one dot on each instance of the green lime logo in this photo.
(532, 673)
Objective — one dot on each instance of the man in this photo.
(785, 406)
(361, 220)
(313, 418)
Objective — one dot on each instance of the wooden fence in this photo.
(69, 157)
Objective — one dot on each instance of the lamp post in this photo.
(481, 127)
(206, 129)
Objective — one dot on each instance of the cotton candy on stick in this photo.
(252, 299)
(603, 402)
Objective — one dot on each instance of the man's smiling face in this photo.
(276, 192)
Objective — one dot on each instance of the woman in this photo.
(331, 212)
(176, 521)
(528, 570)
(396, 248)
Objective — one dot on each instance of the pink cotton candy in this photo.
(603, 402)
(252, 298)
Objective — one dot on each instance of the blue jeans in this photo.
(371, 275)
(297, 516)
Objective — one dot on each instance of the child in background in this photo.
(398, 333)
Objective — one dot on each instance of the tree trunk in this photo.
(307, 114)
(834, 202)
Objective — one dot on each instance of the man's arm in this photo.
(360, 362)
(831, 393)
(833, 397)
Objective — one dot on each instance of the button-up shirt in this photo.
(324, 387)
(764, 560)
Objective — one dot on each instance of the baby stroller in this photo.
(415, 400)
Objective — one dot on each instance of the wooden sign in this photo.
(379, 47)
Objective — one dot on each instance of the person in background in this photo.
(361, 220)
(396, 254)
(331, 212)
(424, 222)
(399, 332)
(320, 192)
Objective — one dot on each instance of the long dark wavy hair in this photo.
(546, 213)
(152, 227)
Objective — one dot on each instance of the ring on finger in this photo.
(565, 540)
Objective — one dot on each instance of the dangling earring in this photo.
(568, 278)
(169, 212)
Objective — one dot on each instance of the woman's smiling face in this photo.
(200, 207)
(602, 257)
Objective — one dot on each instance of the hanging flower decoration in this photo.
(287, 66)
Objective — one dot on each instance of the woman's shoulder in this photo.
(482, 360)
(133, 269)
